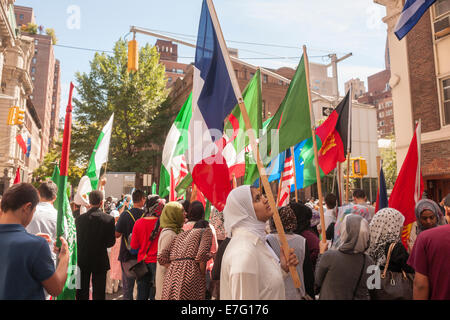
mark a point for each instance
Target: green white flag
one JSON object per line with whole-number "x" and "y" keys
{"x": 70, "y": 234}
{"x": 100, "y": 154}
{"x": 174, "y": 149}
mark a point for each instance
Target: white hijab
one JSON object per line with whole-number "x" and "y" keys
{"x": 239, "y": 213}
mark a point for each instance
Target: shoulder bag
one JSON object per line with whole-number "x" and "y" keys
{"x": 394, "y": 285}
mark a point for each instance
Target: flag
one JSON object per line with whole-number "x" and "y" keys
{"x": 235, "y": 130}
{"x": 408, "y": 187}
{"x": 21, "y": 142}
{"x": 17, "y": 178}
{"x": 153, "y": 188}
{"x": 382, "y": 200}
{"x": 291, "y": 123}
{"x": 70, "y": 234}
{"x": 197, "y": 195}
{"x": 411, "y": 14}
{"x": 213, "y": 99}
{"x": 28, "y": 147}
{"x": 100, "y": 154}
{"x": 287, "y": 180}
{"x": 174, "y": 149}
{"x": 65, "y": 225}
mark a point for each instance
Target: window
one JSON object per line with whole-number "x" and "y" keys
{"x": 35, "y": 51}
{"x": 265, "y": 78}
{"x": 381, "y": 123}
{"x": 21, "y": 17}
{"x": 264, "y": 109}
{"x": 389, "y": 104}
{"x": 36, "y": 42}
{"x": 441, "y": 7}
{"x": 34, "y": 60}
{"x": 381, "y": 115}
{"x": 251, "y": 75}
{"x": 317, "y": 81}
{"x": 388, "y": 112}
{"x": 280, "y": 82}
{"x": 392, "y": 121}
{"x": 169, "y": 79}
{"x": 33, "y": 70}
{"x": 446, "y": 100}
{"x": 380, "y": 106}
{"x": 236, "y": 73}
{"x": 33, "y": 78}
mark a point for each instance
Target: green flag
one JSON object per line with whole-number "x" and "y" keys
{"x": 292, "y": 121}
{"x": 70, "y": 235}
{"x": 174, "y": 148}
{"x": 153, "y": 188}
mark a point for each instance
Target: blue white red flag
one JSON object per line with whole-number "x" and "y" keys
{"x": 382, "y": 200}
{"x": 213, "y": 98}
{"x": 411, "y": 14}
{"x": 287, "y": 179}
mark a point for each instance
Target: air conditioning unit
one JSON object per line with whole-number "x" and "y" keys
{"x": 442, "y": 27}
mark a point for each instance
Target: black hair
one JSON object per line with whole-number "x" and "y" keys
{"x": 95, "y": 198}
{"x": 358, "y": 193}
{"x": 330, "y": 201}
{"x": 137, "y": 195}
{"x": 196, "y": 211}
{"x": 19, "y": 195}
{"x": 48, "y": 190}
{"x": 201, "y": 224}
{"x": 185, "y": 203}
{"x": 447, "y": 200}
{"x": 303, "y": 214}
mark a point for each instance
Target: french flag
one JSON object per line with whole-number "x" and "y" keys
{"x": 213, "y": 98}
{"x": 411, "y": 14}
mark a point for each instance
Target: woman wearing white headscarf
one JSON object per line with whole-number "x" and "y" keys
{"x": 250, "y": 269}
{"x": 342, "y": 274}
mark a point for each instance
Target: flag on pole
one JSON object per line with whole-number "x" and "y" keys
{"x": 382, "y": 199}
{"x": 65, "y": 225}
{"x": 17, "y": 178}
{"x": 70, "y": 234}
{"x": 28, "y": 147}
{"x": 237, "y": 141}
{"x": 153, "y": 188}
{"x": 291, "y": 123}
{"x": 213, "y": 99}
{"x": 287, "y": 179}
{"x": 174, "y": 149}
{"x": 409, "y": 186}
{"x": 21, "y": 143}
{"x": 100, "y": 154}
{"x": 411, "y": 14}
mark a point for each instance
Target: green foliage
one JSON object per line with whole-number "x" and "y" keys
{"x": 31, "y": 28}
{"x": 389, "y": 157}
{"x": 137, "y": 100}
{"x": 52, "y": 158}
{"x": 51, "y": 32}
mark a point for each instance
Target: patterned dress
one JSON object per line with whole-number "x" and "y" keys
{"x": 184, "y": 280}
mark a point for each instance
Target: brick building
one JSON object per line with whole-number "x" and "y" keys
{"x": 420, "y": 82}
{"x": 358, "y": 87}
{"x": 45, "y": 74}
{"x": 169, "y": 58}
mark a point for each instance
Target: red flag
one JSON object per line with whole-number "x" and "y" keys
{"x": 21, "y": 143}
{"x": 287, "y": 180}
{"x": 197, "y": 195}
{"x": 408, "y": 188}
{"x": 17, "y": 178}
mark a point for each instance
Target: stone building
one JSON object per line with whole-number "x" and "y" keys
{"x": 420, "y": 82}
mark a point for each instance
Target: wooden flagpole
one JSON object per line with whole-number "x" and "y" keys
{"x": 316, "y": 156}
{"x": 295, "y": 174}
{"x": 347, "y": 179}
{"x": 349, "y": 141}
{"x": 279, "y": 188}
{"x": 249, "y": 129}
{"x": 234, "y": 181}
{"x": 378, "y": 172}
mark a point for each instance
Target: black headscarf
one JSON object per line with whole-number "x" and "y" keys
{"x": 303, "y": 215}
{"x": 196, "y": 211}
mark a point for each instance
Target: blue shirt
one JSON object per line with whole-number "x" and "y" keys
{"x": 25, "y": 262}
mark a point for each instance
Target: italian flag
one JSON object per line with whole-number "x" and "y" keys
{"x": 100, "y": 154}
{"x": 173, "y": 158}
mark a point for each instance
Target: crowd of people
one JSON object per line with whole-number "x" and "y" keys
{"x": 159, "y": 250}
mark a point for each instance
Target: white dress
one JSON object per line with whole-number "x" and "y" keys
{"x": 250, "y": 271}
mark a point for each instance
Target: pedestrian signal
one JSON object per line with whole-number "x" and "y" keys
{"x": 133, "y": 56}
{"x": 359, "y": 167}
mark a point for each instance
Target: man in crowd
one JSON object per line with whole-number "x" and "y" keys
{"x": 360, "y": 198}
{"x": 124, "y": 228}
{"x": 44, "y": 219}
{"x": 26, "y": 267}
{"x": 95, "y": 233}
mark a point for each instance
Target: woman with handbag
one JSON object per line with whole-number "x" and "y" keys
{"x": 388, "y": 252}
{"x": 144, "y": 243}
{"x": 341, "y": 274}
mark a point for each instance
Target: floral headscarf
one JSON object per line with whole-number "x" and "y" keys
{"x": 288, "y": 220}
{"x": 427, "y": 204}
{"x": 216, "y": 220}
{"x": 342, "y": 212}
{"x": 385, "y": 227}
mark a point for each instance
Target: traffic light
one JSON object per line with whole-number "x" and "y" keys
{"x": 12, "y": 115}
{"x": 133, "y": 56}
{"x": 20, "y": 117}
{"x": 359, "y": 167}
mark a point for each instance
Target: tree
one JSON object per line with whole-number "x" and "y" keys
{"x": 31, "y": 28}
{"x": 389, "y": 157}
{"x": 136, "y": 100}
{"x": 51, "y": 32}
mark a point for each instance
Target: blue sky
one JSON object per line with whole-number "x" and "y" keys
{"x": 324, "y": 26}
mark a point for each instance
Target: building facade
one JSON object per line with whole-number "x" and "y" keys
{"x": 420, "y": 82}
{"x": 358, "y": 87}
{"x": 16, "y": 88}
{"x": 45, "y": 74}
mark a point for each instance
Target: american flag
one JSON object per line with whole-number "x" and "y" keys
{"x": 287, "y": 180}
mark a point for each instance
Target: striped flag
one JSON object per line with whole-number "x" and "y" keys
{"x": 213, "y": 99}
{"x": 287, "y": 179}
{"x": 411, "y": 14}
